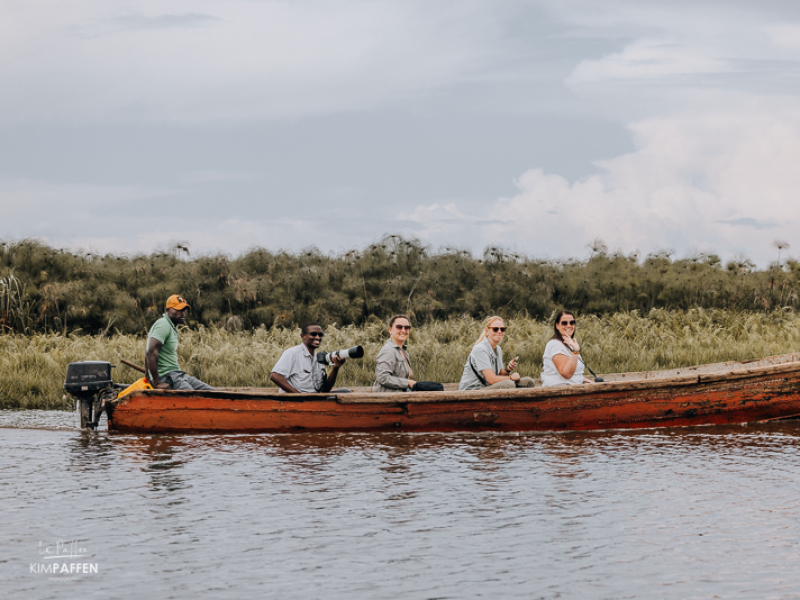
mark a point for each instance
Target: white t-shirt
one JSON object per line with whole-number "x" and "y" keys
{"x": 550, "y": 375}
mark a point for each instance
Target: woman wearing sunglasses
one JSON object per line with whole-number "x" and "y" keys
{"x": 393, "y": 368}
{"x": 562, "y": 355}
{"x": 484, "y": 367}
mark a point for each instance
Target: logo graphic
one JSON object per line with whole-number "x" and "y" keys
{"x": 64, "y": 561}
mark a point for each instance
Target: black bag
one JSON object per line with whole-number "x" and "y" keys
{"x": 427, "y": 386}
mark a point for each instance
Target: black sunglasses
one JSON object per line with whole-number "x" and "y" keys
{"x": 496, "y": 329}
{"x": 567, "y": 323}
{"x": 405, "y": 327}
{"x": 318, "y": 334}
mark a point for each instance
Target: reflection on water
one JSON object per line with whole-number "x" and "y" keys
{"x": 689, "y": 513}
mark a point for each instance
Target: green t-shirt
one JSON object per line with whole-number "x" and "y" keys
{"x": 164, "y": 331}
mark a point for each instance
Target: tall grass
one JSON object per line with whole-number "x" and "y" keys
{"x": 32, "y": 368}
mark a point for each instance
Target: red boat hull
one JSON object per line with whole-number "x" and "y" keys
{"x": 739, "y": 395}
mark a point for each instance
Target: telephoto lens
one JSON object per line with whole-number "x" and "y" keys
{"x": 326, "y": 358}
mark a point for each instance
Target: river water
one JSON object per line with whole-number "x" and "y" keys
{"x": 711, "y": 512}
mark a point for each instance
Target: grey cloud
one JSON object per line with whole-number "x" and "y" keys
{"x": 330, "y": 123}
{"x": 214, "y": 176}
{"x": 760, "y": 76}
{"x": 764, "y": 76}
{"x": 139, "y": 22}
{"x": 751, "y": 223}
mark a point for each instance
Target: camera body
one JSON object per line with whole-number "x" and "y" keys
{"x": 326, "y": 358}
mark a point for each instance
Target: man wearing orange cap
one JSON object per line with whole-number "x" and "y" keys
{"x": 161, "y": 356}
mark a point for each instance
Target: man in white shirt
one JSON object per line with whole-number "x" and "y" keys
{"x": 297, "y": 370}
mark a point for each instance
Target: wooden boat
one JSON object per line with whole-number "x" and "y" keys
{"x": 730, "y": 392}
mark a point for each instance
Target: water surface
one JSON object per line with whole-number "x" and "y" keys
{"x": 671, "y": 513}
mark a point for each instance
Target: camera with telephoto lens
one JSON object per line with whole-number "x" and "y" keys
{"x": 326, "y": 358}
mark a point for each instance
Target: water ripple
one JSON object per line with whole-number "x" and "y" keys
{"x": 689, "y": 513}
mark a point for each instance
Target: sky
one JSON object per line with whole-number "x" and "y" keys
{"x": 541, "y": 126}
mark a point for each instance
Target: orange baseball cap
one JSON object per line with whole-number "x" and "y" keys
{"x": 177, "y": 302}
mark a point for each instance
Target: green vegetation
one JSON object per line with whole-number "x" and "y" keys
{"x": 32, "y": 368}
{"x": 45, "y": 290}
{"x": 58, "y": 307}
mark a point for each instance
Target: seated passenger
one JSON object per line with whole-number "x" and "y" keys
{"x": 562, "y": 354}
{"x": 161, "y": 351}
{"x": 392, "y": 366}
{"x": 298, "y": 371}
{"x": 484, "y": 366}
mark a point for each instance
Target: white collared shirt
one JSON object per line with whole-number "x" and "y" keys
{"x": 301, "y": 369}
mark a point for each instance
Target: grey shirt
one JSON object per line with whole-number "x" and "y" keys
{"x": 482, "y": 357}
{"x": 391, "y": 371}
{"x": 301, "y": 369}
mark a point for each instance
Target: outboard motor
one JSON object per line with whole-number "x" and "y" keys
{"x": 90, "y": 382}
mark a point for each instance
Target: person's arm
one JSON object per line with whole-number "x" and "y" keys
{"x": 483, "y": 362}
{"x": 567, "y": 365}
{"x": 511, "y": 366}
{"x": 282, "y": 383}
{"x": 491, "y": 377}
{"x": 151, "y": 364}
{"x": 331, "y": 380}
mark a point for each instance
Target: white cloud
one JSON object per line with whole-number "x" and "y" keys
{"x": 648, "y": 59}
{"x": 724, "y": 182}
{"x": 233, "y": 236}
{"x": 710, "y": 94}
{"x": 784, "y": 35}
